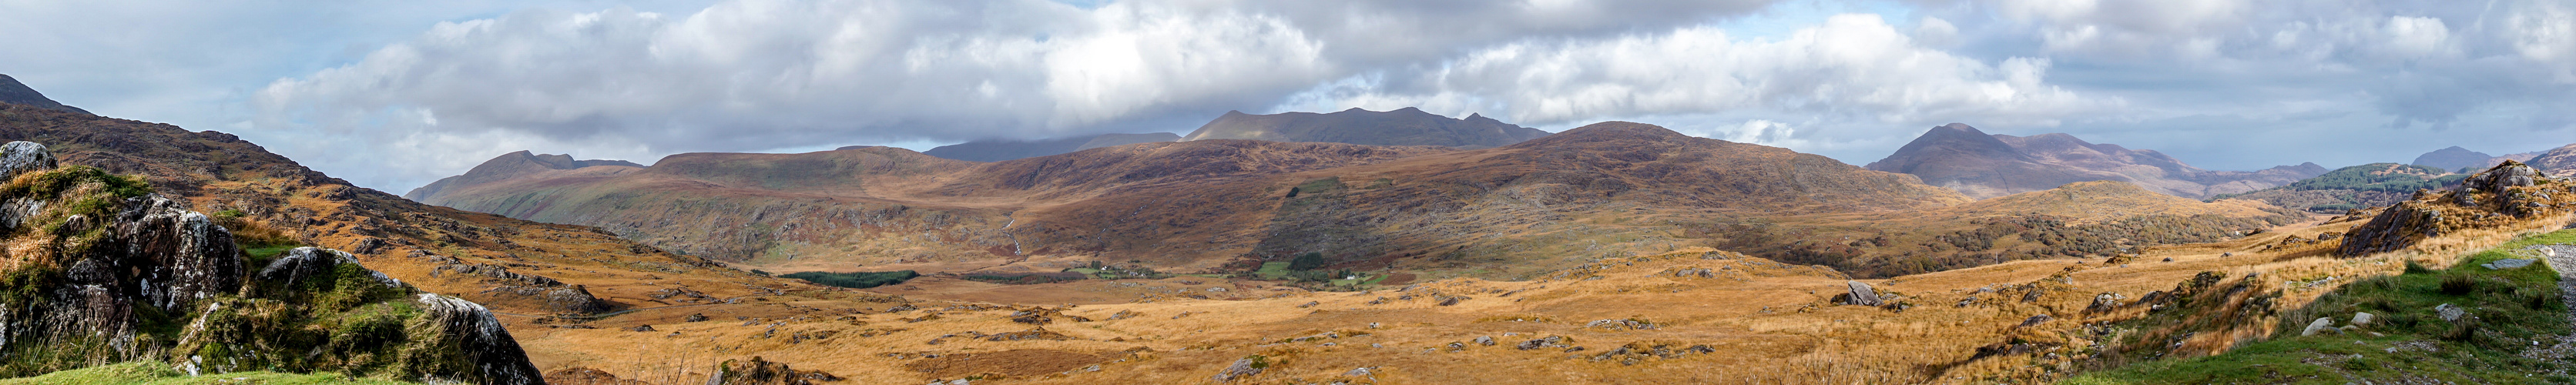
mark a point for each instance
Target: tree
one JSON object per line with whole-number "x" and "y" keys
{"x": 1307, "y": 261}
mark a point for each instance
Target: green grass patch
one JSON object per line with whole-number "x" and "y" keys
{"x": 858, "y": 280}
{"x": 153, "y": 373}
{"x": 1272, "y": 270}
{"x": 2511, "y": 309}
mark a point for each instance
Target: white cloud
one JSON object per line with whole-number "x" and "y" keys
{"x": 1856, "y": 67}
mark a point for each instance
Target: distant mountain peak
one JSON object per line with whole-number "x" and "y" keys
{"x": 997, "y": 150}
{"x": 1983, "y": 165}
{"x": 1407, "y": 126}
{"x": 2452, "y": 158}
{"x": 13, "y": 92}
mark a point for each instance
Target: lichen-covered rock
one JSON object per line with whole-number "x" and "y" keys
{"x": 180, "y": 252}
{"x": 2499, "y": 196}
{"x": 476, "y": 348}
{"x": 21, "y": 157}
{"x": 1861, "y": 294}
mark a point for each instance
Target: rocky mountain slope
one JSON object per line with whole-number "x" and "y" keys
{"x": 1980, "y": 165}
{"x": 1001, "y": 150}
{"x": 1224, "y": 205}
{"x": 2353, "y": 188}
{"x": 100, "y": 270}
{"x": 2558, "y": 162}
{"x": 13, "y": 92}
{"x": 1403, "y": 127}
{"x": 2508, "y": 194}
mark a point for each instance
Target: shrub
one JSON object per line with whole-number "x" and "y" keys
{"x": 858, "y": 280}
{"x": 2459, "y": 285}
{"x": 1307, "y": 261}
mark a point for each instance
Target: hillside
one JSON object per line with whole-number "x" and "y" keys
{"x": 1001, "y": 150}
{"x": 1403, "y": 127}
{"x": 1229, "y": 205}
{"x": 2559, "y": 162}
{"x": 2451, "y": 158}
{"x": 1962, "y": 158}
{"x": 517, "y": 165}
{"x": 2353, "y": 188}
{"x": 13, "y": 92}
{"x": 105, "y": 270}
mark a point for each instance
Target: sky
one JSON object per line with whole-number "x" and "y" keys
{"x": 395, "y": 94}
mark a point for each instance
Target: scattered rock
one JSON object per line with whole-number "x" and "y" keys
{"x": 2508, "y": 263}
{"x": 1861, "y": 295}
{"x": 1246, "y": 367}
{"x": 2321, "y": 325}
{"x": 21, "y": 156}
{"x": 2363, "y": 318}
{"x": 640, "y": 328}
{"x": 2450, "y": 313}
{"x": 2035, "y": 321}
{"x": 1359, "y": 372}
{"x": 1485, "y": 340}
{"x": 1549, "y": 342}
{"x": 1620, "y": 324}
{"x": 1309, "y": 304}
{"x": 699, "y": 317}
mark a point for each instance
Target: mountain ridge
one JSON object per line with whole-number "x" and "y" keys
{"x": 1982, "y": 165}
{"x": 13, "y": 92}
{"x": 1400, "y": 127}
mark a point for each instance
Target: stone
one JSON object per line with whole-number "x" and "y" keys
{"x": 2363, "y": 318}
{"x": 1359, "y": 372}
{"x": 490, "y": 355}
{"x": 697, "y": 317}
{"x": 2450, "y": 313}
{"x": 2508, "y": 263}
{"x": 1862, "y": 295}
{"x": 22, "y": 157}
{"x": 2035, "y": 320}
{"x": 640, "y": 328}
{"x": 2321, "y": 325}
{"x": 1485, "y": 340}
{"x": 1242, "y": 368}
{"x": 1549, "y": 342}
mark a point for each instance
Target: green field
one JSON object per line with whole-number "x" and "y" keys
{"x": 2513, "y": 307}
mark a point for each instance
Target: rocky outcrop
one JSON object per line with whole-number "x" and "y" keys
{"x": 101, "y": 270}
{"x": 2507, "y": 193}
{"x": 1861, "y": 295}
{"x": 21, "y": 157}
{"x": 757, "y": 371}
{"x": 507, "y": 286}
{"x": 484, "y": 351}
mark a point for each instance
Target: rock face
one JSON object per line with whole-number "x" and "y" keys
{"x": 21, "y": 157}
{"x": 1403, "y": 127}
{"x": 2451, "y": 158}
{"x": 2498, "y": 196}
{"x": 1001, "y": 150}
{"x": 1984, "y": 165}
{"x": 102, "y": 270}
{"x": 13, "y": 92}
{"x": 1861, "y": 295}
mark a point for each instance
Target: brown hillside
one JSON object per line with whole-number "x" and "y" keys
{"x": 1222, "y": 205}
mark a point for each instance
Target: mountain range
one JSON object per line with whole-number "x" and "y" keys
{"x": 2461, "y": 160}
{"x": 1222, "y": 204}
{"x": 13, "y": 92}
{"x": 1981, "y": 165}
{"x": 1401, "y": 127}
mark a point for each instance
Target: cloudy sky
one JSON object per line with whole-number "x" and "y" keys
{"x": 394, "y": 94}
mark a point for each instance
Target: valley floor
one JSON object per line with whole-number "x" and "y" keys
{"x": 1688, "y": 316}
